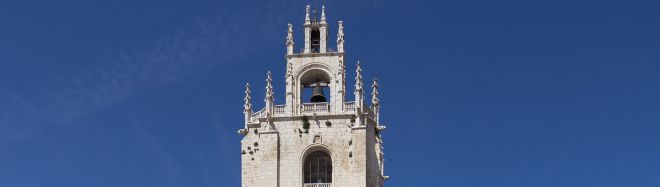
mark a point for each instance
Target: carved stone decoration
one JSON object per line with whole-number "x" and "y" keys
{"x": 323, "y": 13}
{"x": 340, "y": 37}
{"x": 269, "y": 94}
{"x": 358, "y": 80}
{"x": 375, "y": 102}
{"x": 307, "y": 20}
{"x": 359, "y": 95}
{"x": 289, "y": 40}
{"x": 247, "y": 111}
{"x": 289, "y": 70}
{"x": 374, "y": 93}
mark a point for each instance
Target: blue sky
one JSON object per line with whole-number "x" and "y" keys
{"x": 505, "y": 93}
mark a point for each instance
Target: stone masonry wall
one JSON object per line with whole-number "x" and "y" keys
{"x": 278, "y": 156}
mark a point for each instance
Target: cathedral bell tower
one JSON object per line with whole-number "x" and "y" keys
{"x": 316, "y": 138}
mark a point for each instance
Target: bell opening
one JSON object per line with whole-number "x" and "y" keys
{"x": 315, "y": 40}
{"x": 315, "y": 87}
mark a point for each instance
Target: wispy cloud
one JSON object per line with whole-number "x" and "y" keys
{"x": 207, "y": 46}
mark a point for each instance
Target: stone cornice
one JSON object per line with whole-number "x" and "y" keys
{"x": 321, "y": 116}
{"x": 315, "y": 54}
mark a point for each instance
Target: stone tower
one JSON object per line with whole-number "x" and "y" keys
{"x": 316, "y": 138}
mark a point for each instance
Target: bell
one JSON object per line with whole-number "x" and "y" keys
{"x": 317, "y": 94}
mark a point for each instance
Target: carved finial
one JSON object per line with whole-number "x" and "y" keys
{"x": 340, "y": 37}
{"x": 289, "y": 36}
{"x": 358, "y": 78}
{"x": 323, "y": 13}
{"x": 247, "y": 111}
{"x": 307, "y": 20}
{"x": 375, "y": 102}
{"x": 248, "y": 103}
{"x": 374, "y": 94}
{"x": 359, "y": 97}
{"x": 289, "y": 40}
{"x": 269, "y": 88}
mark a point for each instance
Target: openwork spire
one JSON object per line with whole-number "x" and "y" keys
{"x": 374, "y": 94}
{"x": 269, "y": 88}
{"x": 323, "y": 13}
{"x": 307, "y": 20}
{"x": 289, "y": 40}
{"x": 340, "y": 37}
{"x": 248, "y": 98}
{"x": 375, "y": 102}
{"x": 359, "y": 95}
{"x": 289, "y": 36}
{"x": 358, "y": 78}
{"x": 247, "y": 111}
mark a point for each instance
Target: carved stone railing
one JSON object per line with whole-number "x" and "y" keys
{"x": 317, "y": 185}
{"x": 307, "y": 108}
{"x": 279, "y": 109}
{"x": 314, "y": 107}
{"x": 349, "y": 106}
{"x": 258, "y": 114}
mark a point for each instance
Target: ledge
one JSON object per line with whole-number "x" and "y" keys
{"x": 254, "y": 125}
{"x": 315, "y": 54}
{"x": 268, "y": 132}
{"x": 359, "y": 128}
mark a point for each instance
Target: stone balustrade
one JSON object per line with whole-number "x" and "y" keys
{"x": 258, "y": 114}
{"x": 308, "y": 108}
{"x": 349, "y": 106}
{"x": 317, "y": 185}
{"x": 315, "y": 107}
{"x": 279, "y": 109}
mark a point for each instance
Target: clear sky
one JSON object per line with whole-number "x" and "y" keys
{"x": 509, "y": 93}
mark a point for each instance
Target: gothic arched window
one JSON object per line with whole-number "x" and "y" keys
{"x": 318, "y": 168}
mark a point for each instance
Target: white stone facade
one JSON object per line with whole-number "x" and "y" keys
{"x": 276, "y": 140}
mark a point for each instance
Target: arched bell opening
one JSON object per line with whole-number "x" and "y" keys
{"x": 315, "y": 86}
{"x": 315, "y": 38}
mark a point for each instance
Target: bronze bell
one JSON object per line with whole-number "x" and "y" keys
{"x": 317, "y": 93}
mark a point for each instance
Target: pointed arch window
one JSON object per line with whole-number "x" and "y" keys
{"x": 318, "y": 168}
